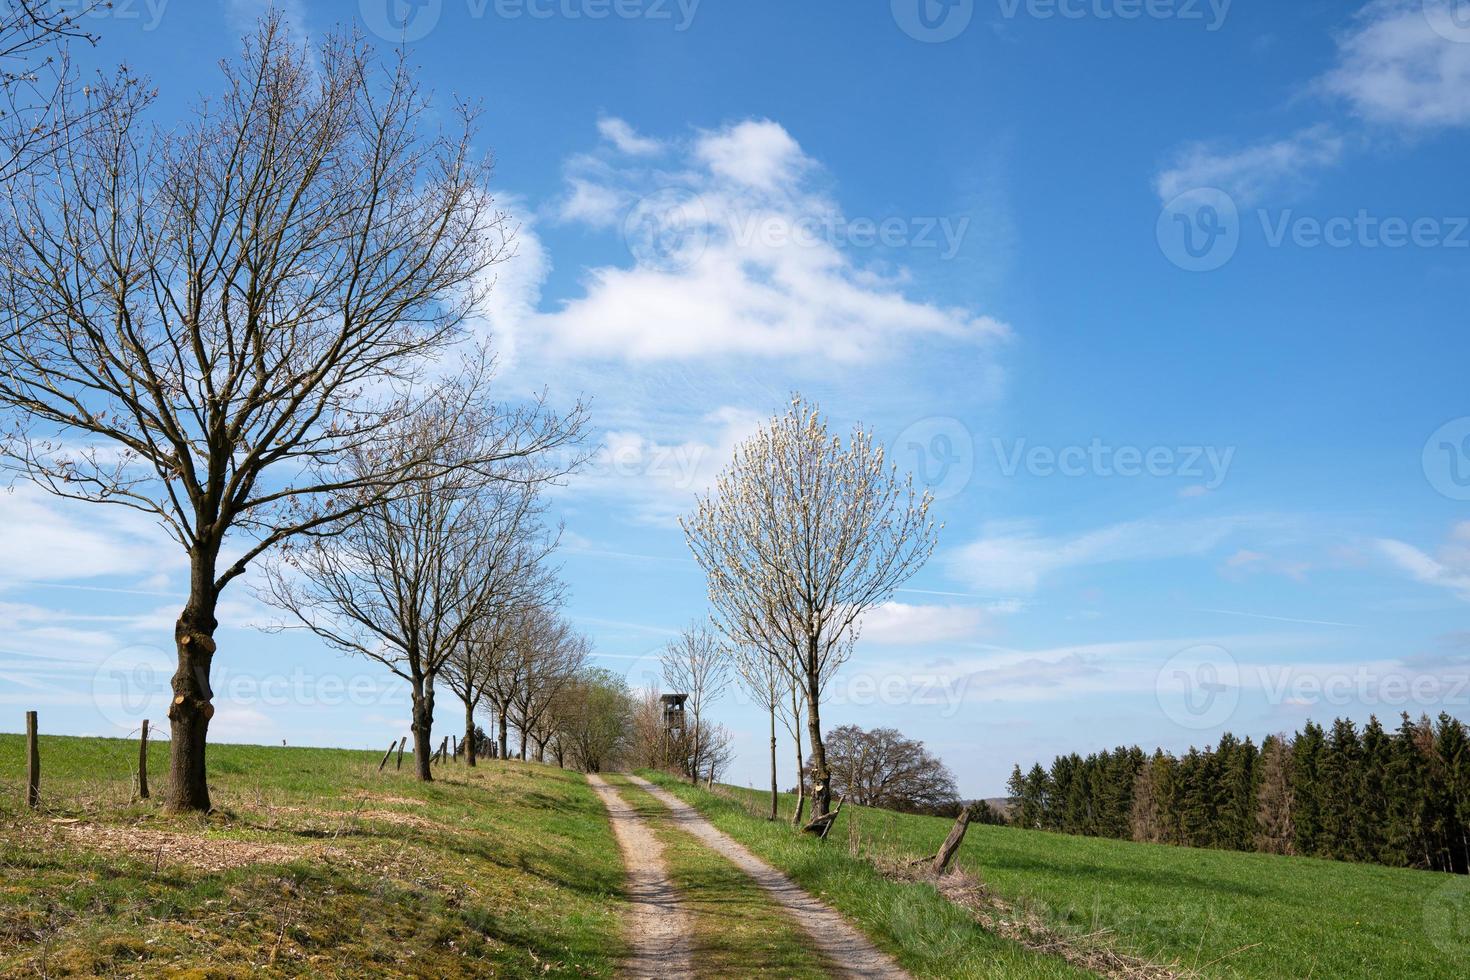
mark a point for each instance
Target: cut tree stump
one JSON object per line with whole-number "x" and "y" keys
{"x": 821, "y": 826}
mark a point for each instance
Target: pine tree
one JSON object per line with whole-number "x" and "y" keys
{"x": 1306, "y": 757}
{"x": 1373, "y": 812}
{"x": 1338, "y": 789}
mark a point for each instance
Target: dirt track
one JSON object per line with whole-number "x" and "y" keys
{"x": 842, "y": 943}
{"x": 659, "y": 926}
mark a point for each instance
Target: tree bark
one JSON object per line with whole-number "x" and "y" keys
{"x": 469, "y": 731}
{"x": 821, "y": 776}
{"x": 192, "y": 706}
{"x": 504, "y": 736}
{"x": 800, "y": 763}
{"x": 775, "y": 790}
{"x": 423, "y": 723}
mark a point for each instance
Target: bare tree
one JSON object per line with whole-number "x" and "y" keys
{"x": 406, "y": 581}
{"x": 764, "y": 679}
{"x": 41, "y": 113}
{"x": 202, "y": 325}
{"x": 553, "y": 654}
{"x": 521, "y": 580}
{"x": 698, "y": 665}
{"x": 882, "y": 768}
{"x": 800, "y": 536}
{"x": 793, "y": 715}
{"x": 507, "y": 666}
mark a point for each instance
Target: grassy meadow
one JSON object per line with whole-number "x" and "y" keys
{"x": 313, "y": 864}
{"x": 1212, "y": 913}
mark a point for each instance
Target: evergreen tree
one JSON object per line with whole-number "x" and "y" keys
{"x": 1338, "y": 791}
{"x": 1306, "y": 758}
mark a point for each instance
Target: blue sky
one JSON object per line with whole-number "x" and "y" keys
{"x": 1165, "y": 300}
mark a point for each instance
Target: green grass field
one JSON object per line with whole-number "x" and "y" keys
{"x": 1217, "y": 913}
{"x": 314, "y": 864}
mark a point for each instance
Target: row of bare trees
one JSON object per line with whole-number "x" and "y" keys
{"x": 253, "y": 329}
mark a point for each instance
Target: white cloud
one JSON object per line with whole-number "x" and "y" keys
{"x": 48, "y": 539}
{"x": 625, "y": 138}
{"x": 750, "y": 260}
{"x": 900, "y": 624}
{"x": 1449, "y": 570}
{"x": 1405, "y": 62}
{"x": 515, "y": 283}
{"x": 1014, "y": 559}
{"x": 755, "y": 153}
{"x": 658, "y": 477}
{"x": 1251, "y": 173}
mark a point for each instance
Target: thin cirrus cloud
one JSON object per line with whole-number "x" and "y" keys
{"x": 1401, "y": 63}
{"x": 1251, "y": 173}
{"x": 1448, "y": 569}
{"x": 771, "y": 272}
{"x": 1014, "y": 559}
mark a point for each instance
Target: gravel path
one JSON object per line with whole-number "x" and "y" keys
{"x": 659, "y": 925}
{"x": 842, "y": 943}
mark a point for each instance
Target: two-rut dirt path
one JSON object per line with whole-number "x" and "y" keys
{"x": 660, "y": 925}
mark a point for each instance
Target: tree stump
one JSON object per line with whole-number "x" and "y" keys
{"x": 822, "y": 825}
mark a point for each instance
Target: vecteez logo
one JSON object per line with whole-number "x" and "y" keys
{"x": 403, "y": 21}
{"x": 1199, "y": 230}
{"x": 667, "y": 231}
{"x": 1447, "y": 459}
{"x": 933, "y": 21}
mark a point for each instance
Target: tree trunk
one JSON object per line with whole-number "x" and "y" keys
{"x": 522, "y": 730}
{"x": 504, "y": 734}
{"x": 423, "y": 723}
{"x": 775, "y": 790}
{"x": 821, "y": 776}
{"x": 800, "y": 762}
{"x": 469, "y": 731}
{"x": 192, "y": 706}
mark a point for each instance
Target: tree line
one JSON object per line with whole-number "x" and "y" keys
{"x": 1399, "y": 798}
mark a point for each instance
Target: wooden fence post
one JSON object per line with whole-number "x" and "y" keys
{"x": 455, "y": 754}
{"x": 952, "y": 842}
{"x": 386, "y": 756}
{"x": 143, "y": 763}
{"x": 33, "y": 763}
{"x": 401, "y": 743}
